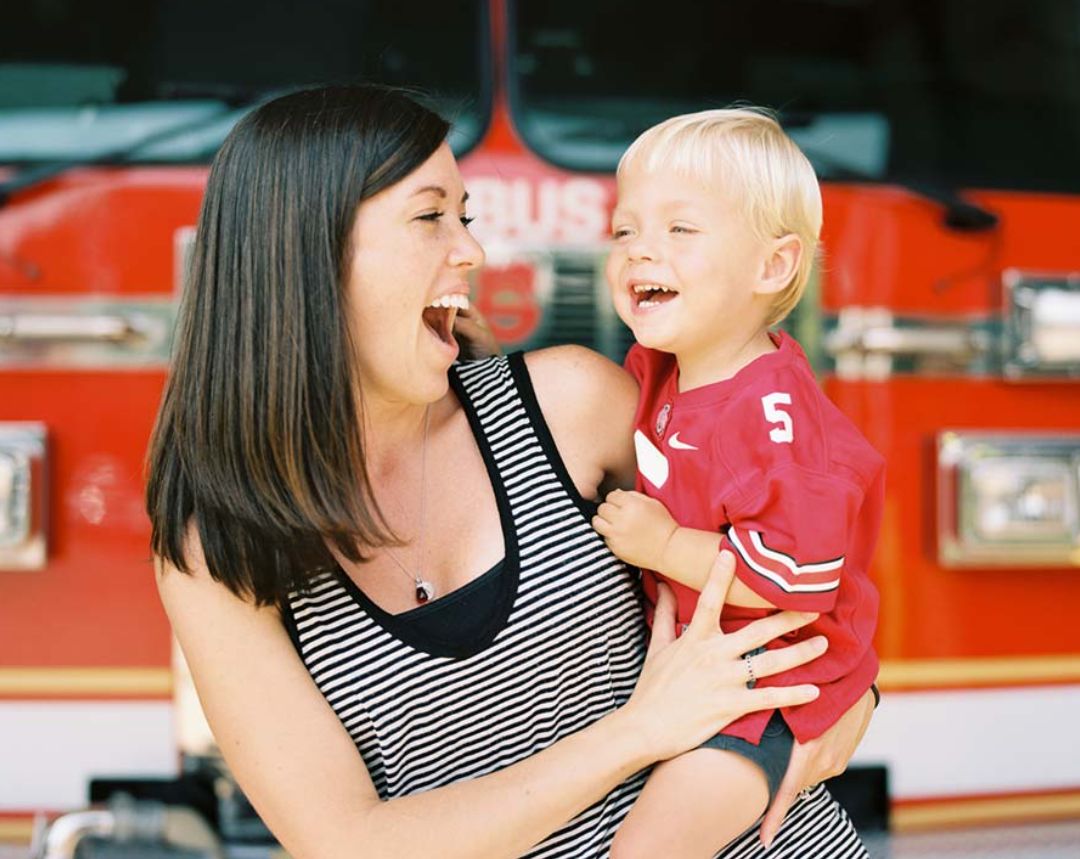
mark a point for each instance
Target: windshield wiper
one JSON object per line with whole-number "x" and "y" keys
{"x": 34, "y": 176}
{"x": 960, "y": 213}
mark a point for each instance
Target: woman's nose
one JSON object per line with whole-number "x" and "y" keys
{"x": 467, "y": 251}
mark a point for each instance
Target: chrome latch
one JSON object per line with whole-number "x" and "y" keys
{"x": 22, "y": 496}
{"x": 1042, "y": 324}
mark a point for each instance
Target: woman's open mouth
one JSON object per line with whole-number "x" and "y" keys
{"x": 646, "y": 295}
{"x": 440, "y": 314}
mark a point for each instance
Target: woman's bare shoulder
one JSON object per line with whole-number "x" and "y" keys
{"x": 192, "y": 588}
{"x": 588, "y": 402}
{"x": 579, "y": 377}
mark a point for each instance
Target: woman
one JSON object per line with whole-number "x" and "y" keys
{"x": 385, "y": 556}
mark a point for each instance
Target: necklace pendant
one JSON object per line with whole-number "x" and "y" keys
{"x": 424, "y": 591}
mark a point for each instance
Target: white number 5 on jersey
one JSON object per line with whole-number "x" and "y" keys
{"x": 775, "y": 415}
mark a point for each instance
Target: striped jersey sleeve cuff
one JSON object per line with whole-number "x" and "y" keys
{"x": 780, "y": 578}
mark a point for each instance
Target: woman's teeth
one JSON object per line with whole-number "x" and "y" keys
{"x": 457, "y": 301}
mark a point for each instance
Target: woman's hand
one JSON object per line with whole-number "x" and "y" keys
{"x": 474, "y": 335}
{"x": 821, "y": 758}
{"x": 691, "y": 687}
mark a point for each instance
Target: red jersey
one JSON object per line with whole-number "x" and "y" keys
{"x": 766, "y": 460}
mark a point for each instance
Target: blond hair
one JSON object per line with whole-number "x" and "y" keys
{"x": 772, "y": 180}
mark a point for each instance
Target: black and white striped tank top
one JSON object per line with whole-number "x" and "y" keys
{"x": 567, "y": 651}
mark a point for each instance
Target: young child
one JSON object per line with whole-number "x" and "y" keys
{"x": 715, "y": 229}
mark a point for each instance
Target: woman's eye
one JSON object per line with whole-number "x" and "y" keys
{"x": 430, "y": 216}
{"x": 466, "y": 220}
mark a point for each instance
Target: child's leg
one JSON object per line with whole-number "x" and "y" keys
{"x": 692, "y": 806}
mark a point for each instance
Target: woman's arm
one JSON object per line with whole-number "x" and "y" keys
{"x": 301, "y": 771}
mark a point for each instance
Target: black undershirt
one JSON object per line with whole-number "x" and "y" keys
{"x": 459, "y": 624}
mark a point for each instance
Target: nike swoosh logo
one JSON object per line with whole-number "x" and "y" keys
{"x": 680, "y": 445}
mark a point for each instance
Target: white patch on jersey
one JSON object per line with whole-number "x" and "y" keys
{"x": 651, "y": 462}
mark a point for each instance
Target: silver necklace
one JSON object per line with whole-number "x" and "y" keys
{"x": 425, "y": 590}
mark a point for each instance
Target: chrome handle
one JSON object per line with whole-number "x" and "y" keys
{"x": 67, "y": 328}
{"x": 886, "y": 340}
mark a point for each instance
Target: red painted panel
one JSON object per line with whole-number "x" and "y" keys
{"x": 884, "y": 247}
{"x": 96, "y": 603}
{"x": 928, "y": 611}
{"x": 98, "y": 232}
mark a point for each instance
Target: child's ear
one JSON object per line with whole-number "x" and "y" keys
{"x": 780, "y": 265}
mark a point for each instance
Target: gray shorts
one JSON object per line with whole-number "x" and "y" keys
{"x": 772, "y": 754}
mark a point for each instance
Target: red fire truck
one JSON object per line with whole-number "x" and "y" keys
{"x": 944, "y": 318}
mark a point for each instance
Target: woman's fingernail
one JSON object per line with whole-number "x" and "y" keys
{"x": 808, "y": 615}
{"x": 821, "y": 644}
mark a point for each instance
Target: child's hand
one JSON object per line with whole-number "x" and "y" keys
{"x": 474, "y": 335}
{"x": 637, "y": 528}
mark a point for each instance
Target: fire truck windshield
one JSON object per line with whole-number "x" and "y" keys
{"x": 956, "y": 93}
{"x": 164, "y": 81}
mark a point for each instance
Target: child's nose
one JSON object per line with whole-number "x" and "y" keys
{"x": 640, "y": 248}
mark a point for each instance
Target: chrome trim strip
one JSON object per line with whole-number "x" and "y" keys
{"x": 871, "y": 343}
{"x": 60, "y": 332}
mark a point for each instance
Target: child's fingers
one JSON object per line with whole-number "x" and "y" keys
{"x": 607, "y": 511}
{"x": 615, "y": 497}
{"x": 602, "y": 526}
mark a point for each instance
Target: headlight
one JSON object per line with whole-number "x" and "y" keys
{"x": 1042, "y": 325}
{"x": 22, "y": 496}
{"x": 1008, "y": 499}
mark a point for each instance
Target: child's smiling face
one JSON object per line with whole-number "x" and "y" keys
{"x": 686, "y": 268}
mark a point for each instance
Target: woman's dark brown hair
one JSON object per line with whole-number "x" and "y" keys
{"x": 257, "y": 444}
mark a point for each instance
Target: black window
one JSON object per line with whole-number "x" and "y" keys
{"x": 78, "y": 79}
{"x": 964, "y": 93}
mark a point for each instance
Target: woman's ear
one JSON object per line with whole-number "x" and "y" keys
{"x": 780, "y": 264}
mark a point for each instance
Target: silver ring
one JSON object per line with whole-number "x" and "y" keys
{"x": 752, "y": 681}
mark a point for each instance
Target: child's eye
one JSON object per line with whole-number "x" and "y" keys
{"x": 679, "y": 228}
{"x": 620, "y": 233}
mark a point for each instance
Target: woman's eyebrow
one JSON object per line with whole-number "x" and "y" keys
{"x": 438, "y": 190}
